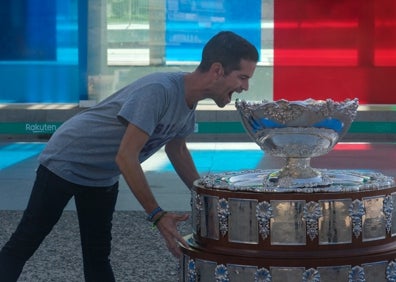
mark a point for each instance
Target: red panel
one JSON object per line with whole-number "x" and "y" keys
{"x": 335, "y": 49}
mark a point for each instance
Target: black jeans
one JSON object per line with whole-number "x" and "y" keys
{"x": 50, "y": 194}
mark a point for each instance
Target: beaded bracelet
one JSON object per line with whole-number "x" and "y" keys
{"x": 153, "y": 214}
{"x": 158, "y": 219}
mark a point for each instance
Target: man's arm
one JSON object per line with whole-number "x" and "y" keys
{"x": 181, "y": 159}
{"x": 127, "y": 160}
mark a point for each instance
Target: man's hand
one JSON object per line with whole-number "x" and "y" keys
{"x": 167, "y": 226}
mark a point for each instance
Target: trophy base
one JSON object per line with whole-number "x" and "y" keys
{"x": 244, "y": 231}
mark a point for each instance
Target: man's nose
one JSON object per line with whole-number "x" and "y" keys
{"x": 245, "y": 86}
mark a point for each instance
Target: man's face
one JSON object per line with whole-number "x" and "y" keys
{"x": 236, "y": 81}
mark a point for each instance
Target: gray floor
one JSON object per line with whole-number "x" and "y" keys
{"x": 139, "y": 253}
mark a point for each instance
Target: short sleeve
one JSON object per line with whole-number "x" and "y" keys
{"x": 188, "y": 129}
{"x": 144, "y": 107}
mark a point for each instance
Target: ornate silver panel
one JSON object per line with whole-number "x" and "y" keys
{"x": 375, "y": 271}
{"x": 243, "y": 225}
{"x": 289, "y": 274}
{"x": 374, "y": 219}
{"x": 335, "y": 226}
{"x": 206, "y": 270}
{"x": 287, "y": 224}
{"x": 209, "y": 217}
{"x": 241, "y": 272}
{"x": 334, "y": 273}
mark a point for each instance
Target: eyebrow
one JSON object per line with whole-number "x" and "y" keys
{"x": 244, "y": 76}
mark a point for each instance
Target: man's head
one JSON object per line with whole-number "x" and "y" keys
{"x": 228, "y": 62}
{"x": 228, "y": 49}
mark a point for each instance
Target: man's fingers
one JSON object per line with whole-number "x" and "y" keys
{"x": 174, "y": 247}
{"x": 181, "y": 240}
{"x": 182, "y": 217}
{"x": 168, "y": 228}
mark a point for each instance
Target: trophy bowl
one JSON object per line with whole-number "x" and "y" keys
{"x": 297, "y": 131}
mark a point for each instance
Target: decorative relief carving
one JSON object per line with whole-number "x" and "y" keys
{"x": 264, "y": 214}
{"x": 356, "y": 211}
{"x": 312, "y": 213}
{"x": 223, "y": 210}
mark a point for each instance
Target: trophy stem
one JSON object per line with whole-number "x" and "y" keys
{"x": 297, "y": 173}
{"x": 298, "y": 168}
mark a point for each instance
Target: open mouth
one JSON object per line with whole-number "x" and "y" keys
{"x": 230, "y": 94}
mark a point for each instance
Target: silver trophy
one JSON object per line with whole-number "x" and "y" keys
{"x": 296, "y": 223}
{"x": 297, "y": 131}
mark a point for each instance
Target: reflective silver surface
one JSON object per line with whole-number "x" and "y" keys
{"x": 205, "y": 270}
{"x": 335, "y": 223}
{"x": 243, "y": 226}
{"x": 375, "y": 271}
{"x": 287, "y": 224}
{"x": 241, "y": 272}
{"x": 335, "y": 273}
{"x": 373, "y": 219}
{"x": 297, "y": 131}
{"x": 209, "y": 218}
{"x": 326, "y": 220}
{"x": 292, "y": 274}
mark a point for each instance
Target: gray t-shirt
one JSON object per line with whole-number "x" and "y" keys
{"x": 84, "y": 148}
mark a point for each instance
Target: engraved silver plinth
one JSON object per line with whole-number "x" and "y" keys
{"x": 360, "y": 202}
{"x": 297, "y": 131}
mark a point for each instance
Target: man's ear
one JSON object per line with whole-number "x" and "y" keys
{"x": 217, "y": 70}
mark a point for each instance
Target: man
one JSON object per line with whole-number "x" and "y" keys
{"x": 86, "y": 155}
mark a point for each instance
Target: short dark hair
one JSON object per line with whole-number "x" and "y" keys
{"x": 228, "y": 49}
